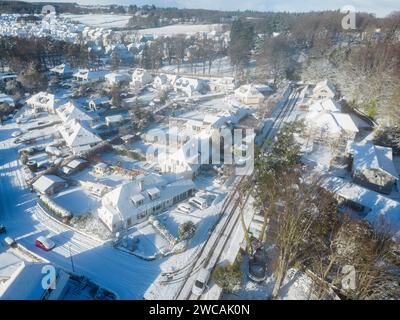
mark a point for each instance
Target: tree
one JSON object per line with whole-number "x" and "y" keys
{"x": 116, "y": 99}
{"x": 186, "y": 230}
{"x": 241, "y": 42}
{"x": 227, "y": 277}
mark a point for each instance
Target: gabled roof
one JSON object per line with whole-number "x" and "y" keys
{"x": 70, "y": 111}
{"x": 325, "y": 84}
{"x": 331, "y": 122}
{"x": 42, "y": 99}
{"x": 325, "y": 105}
{"x": 369, "y": 156}
{"x": 76, "y": 135}
{"x": 45, "y": 182}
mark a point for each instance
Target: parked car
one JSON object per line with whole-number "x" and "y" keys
{"x": 185, "y": 208}
{"x": 2, "y": 229}
{"x": 45, "y": 243}
{"x": 16, "y": 133}
{"x": 198, "y": 202}
{"x": 200, "y": 284}
{"x": 10, "y": 242}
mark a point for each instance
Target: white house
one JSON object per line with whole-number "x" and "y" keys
{"x": 140, "y": 77}
{"x": 248, "y": 94}
{"x": 86, "y": 75}
{"x": 70, "y": 111}
{"x": 133, "y": 202}
{"x": 324, "y": 89}
{"x": 77, "y": 136}
{"x": 190, "y": 86}
{"x": 326, "y": 126}
{"x": 225, "y": 84}
{"x": 372, "y": 166}
{"x": 62, "y": 70}
{"x": 42, "y": 101}
{"x": 49, "y": 184}
{"x": 115, "y": 78}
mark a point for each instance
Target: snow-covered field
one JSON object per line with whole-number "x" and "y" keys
{"x": 100, "y": 20}
{"x": 187, "y": 29}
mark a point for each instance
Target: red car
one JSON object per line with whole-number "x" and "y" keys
{"x": 44, "y": 243}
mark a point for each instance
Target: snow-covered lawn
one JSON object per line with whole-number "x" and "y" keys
{"x": 78, "y": 201}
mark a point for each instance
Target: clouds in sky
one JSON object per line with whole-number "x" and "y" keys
{"x": 379, "y": 7}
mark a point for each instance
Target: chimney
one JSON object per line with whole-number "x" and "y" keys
{"x": 141, "y": 185}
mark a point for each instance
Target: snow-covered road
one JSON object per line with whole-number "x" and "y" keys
{"x": 126, "y": 275}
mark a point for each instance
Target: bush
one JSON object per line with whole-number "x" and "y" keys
{"x": 186, "y": 230}
{"x": 227, "y": 277}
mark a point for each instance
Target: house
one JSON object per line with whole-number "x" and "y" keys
{"x": 70, "y": 111}
{"x": 161, "y": 81}
{"x": 22, "y": 280}
{"x": 101, "y": 168}
{"x": 326, "y": 104}
{"x": 74, "y": 166}
{"x": 42, "y": 101}
{"x": 115, "y": 120}
{"x": 6, "y": 99}
{"x": 225, "y": 84}
{"x": 329, "y": 126}
{"x": 376, "y": 208}
{"x": 190, "y": 86}
{"x": 49, "y": 184}
{"x": 116, "y": 78}
{"x": 62, "y": 70}
{"x": 87, "y": 76}
{"x": 133, "y": 202}
{"x": 77, "y": 136}
{"x": 140, "y": 77}
{"x": 372, "y": 166}
{"x": 324, "y": 89}
{"x": 248, "y": 94}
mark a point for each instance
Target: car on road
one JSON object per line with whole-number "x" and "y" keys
{"x": 2, "y": 229}
{"x": 185, "y": 208}
{"x": 200, "y": 284}
{"x": 44, "y": 243}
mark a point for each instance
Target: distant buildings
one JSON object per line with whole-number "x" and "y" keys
{"x": 87, "y": 76}
{"x": 140, "y": 77}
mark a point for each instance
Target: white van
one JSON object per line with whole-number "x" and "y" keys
{"x": 198, "y": 202}
{"x": 201, "y": 282}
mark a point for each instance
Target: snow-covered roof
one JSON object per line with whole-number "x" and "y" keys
{"x": 76, "y": 135}
{"x": 41, "y": 100}
{"x": 331, "y": 122}
{"x": 76, "y": 163}
{"x": 325, "y": 85}
{"x": 117, "y": 76}
{"x": 119, "y": 200}
{"x": 62, "y": 69}
{"x": 20, "y": 280}
{"x": 383, "y": 209}
{"x": 369, "y": 156}
{"x": 45, "y": 182}
{"x": 325, "y": 105}
{"x": 70, "y": 111}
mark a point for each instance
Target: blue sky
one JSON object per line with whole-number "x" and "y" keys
{"x": 379, "y": 7}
